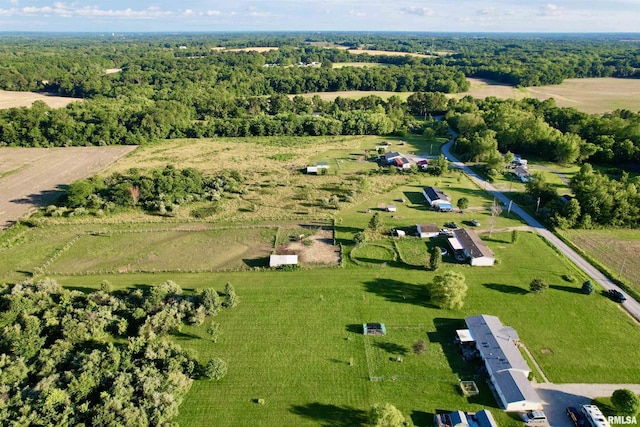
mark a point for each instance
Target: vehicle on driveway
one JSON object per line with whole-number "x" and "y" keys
{"x": 444, "y": 252}
{"x": 576, "y": 417}
{"x": 535, "y": 418}
{"x": 451, "y": 225}
{"x": 616, "y": 295}
{"x": 475, "y": 222}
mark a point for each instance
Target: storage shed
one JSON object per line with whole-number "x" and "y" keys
{"x": 374, "y": 329}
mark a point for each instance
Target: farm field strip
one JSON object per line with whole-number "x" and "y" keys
{"x": 41, "y": 172}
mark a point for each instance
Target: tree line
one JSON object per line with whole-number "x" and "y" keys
{"x": 100, "y": 358}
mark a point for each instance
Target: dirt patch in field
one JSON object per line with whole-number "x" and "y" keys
{"x": 33, "y": 177}
{"x": 112, "y": 70}
{"x": 253, "y": 49}
{"x": 11, "y": 99}
{"x": 320, "y": 251}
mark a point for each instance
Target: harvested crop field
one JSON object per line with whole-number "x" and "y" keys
{"x": 34, "y": 176}
{"x": 592, "y": 95}
{"x": 10, "y": 99}
{"x": 388, "y": 53}
{"x": 618, "y": 250}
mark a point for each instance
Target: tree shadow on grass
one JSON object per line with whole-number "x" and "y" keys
{"x": 420, "y": 418}
{"x": 392, "y": 348}
{"x": 332, "y": 415}
{"x": 507, "y": 289}
{"x": 571, "y": 289}
{"x": 397, "y": 291}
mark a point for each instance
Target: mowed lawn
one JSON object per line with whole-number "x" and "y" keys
{"x": 291, "y": 339}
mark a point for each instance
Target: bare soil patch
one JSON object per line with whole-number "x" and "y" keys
{"x": 253, "y": 49}
{"x": 320, "y": 251}
{"x": 10, "y": 99}
{"x": 33, "y": 177}
{"x": 388, "y": 53}
{"x": 112, "y": 70}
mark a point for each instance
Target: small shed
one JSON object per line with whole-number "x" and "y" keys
{"x": 426, "y": 231}
{"x": 278, "y": 260}
{"x": 391, "y": 208}
{"x": 312, "y": 169}
{"x": 374, "y": 329}
{"x": 401, "y": 233}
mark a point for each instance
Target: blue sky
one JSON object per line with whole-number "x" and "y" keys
{"x": 308, "y": 15}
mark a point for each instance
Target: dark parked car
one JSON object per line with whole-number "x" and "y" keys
{"x": 451, "y": 225}
{"x": 576, "y": 417}
{"x": 616, "y": 295}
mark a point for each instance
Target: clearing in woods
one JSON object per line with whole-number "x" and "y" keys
{"x": 32, "y": 177}
{"x": 11, "y": 99}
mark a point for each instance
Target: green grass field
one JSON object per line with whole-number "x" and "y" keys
{"x": 293, "y": 335}
{"x": 295, "y": 339}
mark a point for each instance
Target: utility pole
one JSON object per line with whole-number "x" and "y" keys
{"x": 509, "y": 209}
{"x": 537, "y": 204}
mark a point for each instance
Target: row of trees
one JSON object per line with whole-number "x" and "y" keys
{"x": 102, "y": 358}
{"x": 136, "y": 121}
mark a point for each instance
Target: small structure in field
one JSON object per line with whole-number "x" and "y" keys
{"x": 402, "y": 163}
{"x": 320, "y": 167}
{"x": 374, "y": 329}
{"x": 423, "y": 164}
{"x": 401, "y": 233}
{"x": 482, "y": 418}
{"x": 279, "y": 260}
{"x": 390, "y": 208}
{"x": 426, "y": 231}
{"x": 469, "y": 388}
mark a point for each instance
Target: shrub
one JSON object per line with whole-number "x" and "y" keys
{"x": 569, "y": 278}
{"x": 514, "y": 236}
{"x": 216, "y": 369}
{"x": 538, "y": 286}
{"x": 587, "y": 287}
{"x": 626, "y": 401}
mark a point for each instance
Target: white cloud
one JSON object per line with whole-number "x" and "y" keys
{"x": 419, "y": 11}
{"x": 357, "y": 13}
{"x": 66, "y": 10}
{"x": 487, "y": 11}
{"x": 14, "y": 2}
{"x": 189, "y": 12}
{"x": 213, "y": 13}
{"x": 550, "y": 10}
{"x": 8, "y": 12}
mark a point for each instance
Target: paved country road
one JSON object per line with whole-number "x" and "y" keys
{"x": 631, "y": 306}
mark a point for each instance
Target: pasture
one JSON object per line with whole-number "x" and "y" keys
{"x": 34, "y": 177}
{"x": 295, "y": 338}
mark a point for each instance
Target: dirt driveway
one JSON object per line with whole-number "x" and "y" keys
{"x": 34, "y": 176}
{"x": 559, "y": 396}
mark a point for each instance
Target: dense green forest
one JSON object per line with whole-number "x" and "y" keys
{"x": 102, "y": 358}
{"x": 194, "y": 86}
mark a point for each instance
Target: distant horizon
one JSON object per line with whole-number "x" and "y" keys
{"x": 461, "y": 16}
{"x": 115, "y": 33}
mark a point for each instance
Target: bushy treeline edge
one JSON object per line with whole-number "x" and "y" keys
{"x": 99, "y": 358}
{"x": 160, "y": 190}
